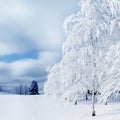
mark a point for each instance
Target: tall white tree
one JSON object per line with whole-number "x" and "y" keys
{"x": 90, "y": 33}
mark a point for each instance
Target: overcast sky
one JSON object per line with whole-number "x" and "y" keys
{"x": 31, "y": 35}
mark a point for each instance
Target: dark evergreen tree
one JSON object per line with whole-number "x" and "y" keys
{"x": 1, "y": 89}
{"x": 34, "y": 88}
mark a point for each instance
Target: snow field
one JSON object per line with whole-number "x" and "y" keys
{"x": 14, "y": 107}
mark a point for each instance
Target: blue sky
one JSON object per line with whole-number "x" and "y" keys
{"x": 31, "y": 36}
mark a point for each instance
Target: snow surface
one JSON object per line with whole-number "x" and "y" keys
{"x": 16, "y": 107}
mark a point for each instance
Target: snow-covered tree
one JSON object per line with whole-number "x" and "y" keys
{"x": 21, "y": 89}
{"x": 90, "y": 33}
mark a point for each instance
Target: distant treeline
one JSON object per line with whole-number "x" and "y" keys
{"x": 24, "y": 89}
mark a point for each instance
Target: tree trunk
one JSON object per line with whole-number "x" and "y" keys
{"x": 94, "y": 79}
{"x": 86, "y": 97}
{"x": 76, "y": 102}
{"x": 93, "y": 104}
{"x": 105, "y": 102}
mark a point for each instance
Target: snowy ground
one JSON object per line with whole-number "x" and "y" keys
{"x": 14, "y": 107}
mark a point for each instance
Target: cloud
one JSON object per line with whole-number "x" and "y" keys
{"x": 4, "y": 69}
{"x": 23, "y": 28}
{"x": 28, "y": 69}
{"x": 27, "y": 26}
{"x": 48, "y": 58}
